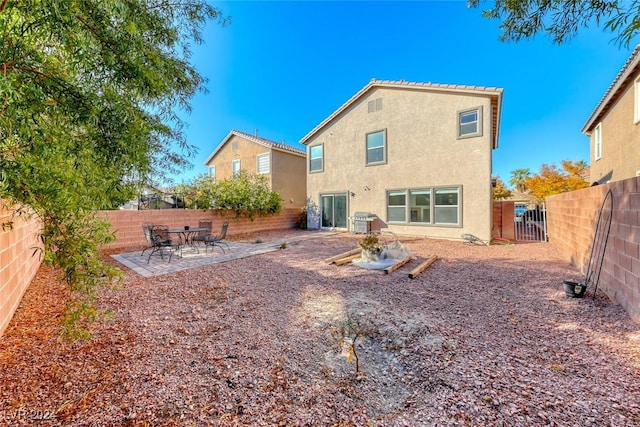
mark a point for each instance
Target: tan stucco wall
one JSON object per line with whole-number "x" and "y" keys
{"x": 288, "y": 171}
{"x": 620, "y": 143}
{"x": 237, "y": 148}
{"x": 422, "y": 151}
{"x": 289, "y": 178}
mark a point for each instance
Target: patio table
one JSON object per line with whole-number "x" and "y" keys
{"x": 185, "y": 236}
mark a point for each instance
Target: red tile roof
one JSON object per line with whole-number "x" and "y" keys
{"x": 258, "y": 140}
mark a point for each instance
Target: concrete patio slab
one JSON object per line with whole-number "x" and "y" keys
{"x": 189, "y": 258}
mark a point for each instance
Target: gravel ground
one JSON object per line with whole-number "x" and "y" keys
{"x": 485, "y": 336}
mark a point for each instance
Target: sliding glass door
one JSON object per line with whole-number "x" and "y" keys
{"x": 334, "y": 210}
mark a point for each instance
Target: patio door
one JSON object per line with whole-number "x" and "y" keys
{"x": 333, "y": 210}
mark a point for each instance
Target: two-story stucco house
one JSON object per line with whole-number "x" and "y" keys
{"x": 284, "y": 166}
{"x": 415, "y": 155}
{"x": 614, "y": 126}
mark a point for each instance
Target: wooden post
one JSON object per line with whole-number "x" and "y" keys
{"x": 346, "y": 260}
{"x": 333, "y": 259}
{"x": 422, "y": 267}
{"x": 397, "y": 265}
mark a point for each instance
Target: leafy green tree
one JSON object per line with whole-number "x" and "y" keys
{"x": 519, "y": 178}
{"x": 500, "y": 191}
{"x": 89, "y": 96}
{"x": 551, "y": 180}
{"x": 199, "y": 193}
{"x": 246, "y": 194}
{"x": 561, "y": 19}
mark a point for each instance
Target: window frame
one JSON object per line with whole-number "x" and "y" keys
{"x": 384, "y": 148}
{"x": 636, "y": 101}
{"x": 268, "y": 157}
{"x": 436, "y": 206}
{"x": 419, "y": 209}
{"x": 408, "y": 207}
{"x": 388, "y": 194}
{"x": 478, "y": 121}
{"x": 597, "y": 142}
{"x": 235, "y": 172}
{"x": 212, "y": 172}
{"x": 321, "y": 169}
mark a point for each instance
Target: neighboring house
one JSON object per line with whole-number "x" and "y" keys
{"x": 416, "y": 155}
{"x": 614, "y": 127}
{"x": 283, "y": 165}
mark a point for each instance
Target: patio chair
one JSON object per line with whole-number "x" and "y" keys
{"x": 203, "y": 236}
{"x": 159, "y": 240}
{"x": 219, "y": 239}
{"x": 146, "y": 229}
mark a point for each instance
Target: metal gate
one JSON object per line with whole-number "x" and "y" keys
{"x": 530, "y": 224}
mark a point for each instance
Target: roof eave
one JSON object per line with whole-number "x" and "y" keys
{"x": 219, "y": 147}
{"x": 620, "y": 82}
{"x": 498, "y": 117}
{"x": 271, "y": 145}
{"x": 475, "y": 90}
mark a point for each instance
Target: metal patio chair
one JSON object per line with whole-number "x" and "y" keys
{"x": 203, "y": 236}
{"x": 159, "y": 240}
{"x": 219, "y": 239}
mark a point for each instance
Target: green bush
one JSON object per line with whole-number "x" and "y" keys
{"x": 245, "y": 194}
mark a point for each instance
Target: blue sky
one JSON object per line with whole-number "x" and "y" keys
{"x": 282, "y": 67}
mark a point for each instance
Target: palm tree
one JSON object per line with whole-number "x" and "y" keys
{"x": 519, "y": 178}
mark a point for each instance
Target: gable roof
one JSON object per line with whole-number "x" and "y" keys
{"x": 625, "y": 76}
{"x": 493, "y": 92}
{"x": 256, "y": 139}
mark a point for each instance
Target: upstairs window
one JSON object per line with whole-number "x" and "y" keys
{"x": 316, "y": 158}
{"x": 212, "y": 173}
{"x": 376, "y": 148}
{"x": 235, "y": 167}
{"x": 263, "y": 163}
{"x": 597, "y": 142}
{"x": 470, "y": 123}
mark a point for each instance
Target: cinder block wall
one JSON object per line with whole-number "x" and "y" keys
{"x": 18, "y": 265}
{"x": 572, "y": 221}
{"x": 127, "y": 224}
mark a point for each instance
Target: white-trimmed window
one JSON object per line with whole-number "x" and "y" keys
{"x": 377, "y": 147}
{"x": 316, "y": 158}
{"x": 597, "y": 142}
{"x": 636, "y": 102}
{"x": 425, "y": 206}
{"x": 235, "y": 167}
{"x": 212, "y": 172}
{"x": 263, "y": 163}
{"x": 470, "y": 123}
